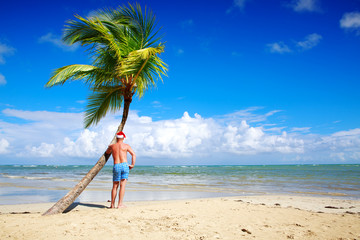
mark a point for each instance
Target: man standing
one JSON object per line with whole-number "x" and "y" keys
{"x": 121, "y": 168}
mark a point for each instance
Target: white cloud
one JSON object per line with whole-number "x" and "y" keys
{"x": 302, "y": 129}
{"x": 53, "y": 135}
{"x": 243, "y": 139}
{"x": 305, "y": 5}
{"x": 237, "y": 4}
{"x": 44, "y": 150}
{"x": 355, "y": 155}
{"x": 171, "y": 138}
{"x": 5, "y": 50}
{"x": 55, "y": 40}
{"x": 340, "y": 156}
{"x": 273, "y": 129}
{"x": 40, "y": 126}
{"x": 85, "y": 146}
{"x": 2, "y": 79}
{"x": 61, "y": 134}
{"x": 53, "y": 119}
{"x": 4, "y": 145}
{"x": 278, "y": 47}
{"x": 351, "y": 21}
{"x": 310, "y": 41}
{"x": 248, "y": 115}
{"x": 340, "y": 145}
{"x": 350, "y": 133}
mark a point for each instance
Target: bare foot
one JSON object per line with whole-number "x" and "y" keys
{"x": 122, "y": 206}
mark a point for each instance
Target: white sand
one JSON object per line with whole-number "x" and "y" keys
{"x": 254, "y": 217}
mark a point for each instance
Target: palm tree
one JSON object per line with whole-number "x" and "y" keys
{"x": 124, "y": 48}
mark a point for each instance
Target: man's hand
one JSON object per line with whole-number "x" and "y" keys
{"x": 131, "y": 166}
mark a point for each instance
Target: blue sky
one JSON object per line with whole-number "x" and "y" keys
{"x": 249, "y": 82}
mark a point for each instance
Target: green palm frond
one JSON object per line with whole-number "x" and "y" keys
{"x": 152, "y": 70}
{"x": 142, "y": 25}
{"x": 95, "y": 33}
{"x": 124, "y": 47}
{"x": 73, "y": 72}
{"x": 134, "y": 63}
{"x": 100, "y": 102}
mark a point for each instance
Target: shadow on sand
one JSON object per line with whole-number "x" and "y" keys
{"x": 90, "y": 205}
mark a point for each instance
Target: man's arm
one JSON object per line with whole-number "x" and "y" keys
{"x": 133, "y": 157}
{"x": 109, "y": 150}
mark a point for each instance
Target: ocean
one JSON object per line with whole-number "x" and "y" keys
{"x": 21, "y": 184}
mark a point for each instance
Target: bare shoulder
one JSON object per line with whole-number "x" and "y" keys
{"x": 112, "y": 146}
{"x": 127, "y": 147}
{"x": 110, "y": 149}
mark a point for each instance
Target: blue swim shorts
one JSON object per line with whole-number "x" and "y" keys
{"x": 120, "y": 171}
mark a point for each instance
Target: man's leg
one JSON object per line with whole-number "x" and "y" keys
{"x": 122, "y": 192}
{"x": 113, "y": 193}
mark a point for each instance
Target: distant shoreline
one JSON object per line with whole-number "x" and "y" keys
{"x": 190, "y": 165}
{"x": 42, "y": 183}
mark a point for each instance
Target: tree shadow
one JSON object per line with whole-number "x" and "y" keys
{"x": 91, "y": 205}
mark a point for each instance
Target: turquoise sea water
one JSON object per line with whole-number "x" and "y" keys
{"x": 39, "y": 183}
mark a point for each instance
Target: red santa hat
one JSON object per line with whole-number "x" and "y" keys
{"x": 120, "y": 135}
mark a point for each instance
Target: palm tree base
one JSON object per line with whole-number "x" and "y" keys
{"x": 71, "y": 196}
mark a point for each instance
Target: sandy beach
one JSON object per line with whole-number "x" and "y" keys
{"x": 245, "y": 217}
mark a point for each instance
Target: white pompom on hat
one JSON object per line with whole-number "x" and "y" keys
{"x": 120, "y": 135}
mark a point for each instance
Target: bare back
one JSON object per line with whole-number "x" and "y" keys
{"x": 119, "y": 152}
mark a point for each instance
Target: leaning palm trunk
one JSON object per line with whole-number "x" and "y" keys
{"x": 124, "y": 46}
{"x": 70, "y": 197}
